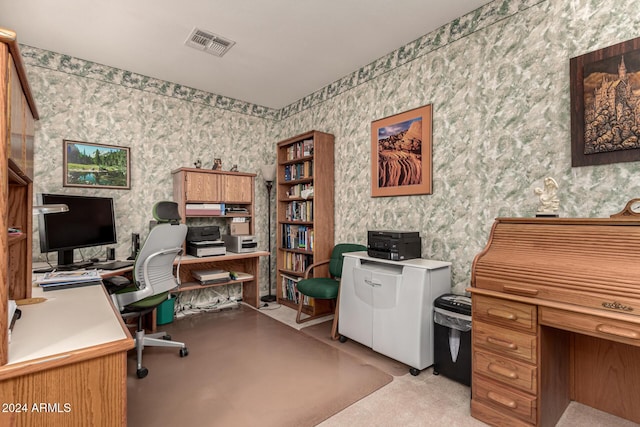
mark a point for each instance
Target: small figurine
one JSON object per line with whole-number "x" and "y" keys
{"x": 234, "y": 168}
{"x": 198, "y": 164}
{"x": 549, "y": 201}
{"x": 217, "y": 164}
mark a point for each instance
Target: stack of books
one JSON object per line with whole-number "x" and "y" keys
{"x": 68, "y": 279}
{"x": 211, "y": 277}
{"x": 204, "y": 209}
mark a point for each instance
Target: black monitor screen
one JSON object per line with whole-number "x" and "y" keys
{"x": 90, "y": 221}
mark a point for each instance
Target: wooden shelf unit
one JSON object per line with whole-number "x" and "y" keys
{"x": 191, "y": 185}
{"x": 299, "y": 168}
{"x": 17, "y": 117}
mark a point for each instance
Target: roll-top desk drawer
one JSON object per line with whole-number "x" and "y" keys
{"x": 505, "y": 399}
{"x": 508, "y": 371}
{"x": 599, "y": 327}
{"x": 506, "y": 313}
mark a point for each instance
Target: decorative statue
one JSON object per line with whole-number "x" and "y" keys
{"x": 548, "y": 196}
{"x": 198, "y": 164}
{"x": 217, "y": 164}
{"x": 234, "y": 168}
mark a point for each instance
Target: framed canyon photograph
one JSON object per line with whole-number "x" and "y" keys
{"x": 401, "y": 154}
{"x": 86, "y": 164}
{"x": 605, "y": 105}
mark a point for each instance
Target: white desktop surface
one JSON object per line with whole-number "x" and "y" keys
{"x": 69, "y": 320}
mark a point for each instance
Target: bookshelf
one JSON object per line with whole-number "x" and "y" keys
{"x": 305, "y": 225}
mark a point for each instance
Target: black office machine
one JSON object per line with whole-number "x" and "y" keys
{"x": 394, "y": 245}
{"x": 205, "y": 241}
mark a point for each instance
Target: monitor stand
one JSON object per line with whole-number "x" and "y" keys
{"x": 65, "y": 261}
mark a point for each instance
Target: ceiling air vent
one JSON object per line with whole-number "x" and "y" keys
{"x": 208, "y": 42}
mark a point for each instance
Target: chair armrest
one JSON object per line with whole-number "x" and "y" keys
{"x": 115, "y": 283}
{"x": 314, "y": 265}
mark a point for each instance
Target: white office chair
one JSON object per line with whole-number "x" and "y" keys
{"x": 154, "y": 278}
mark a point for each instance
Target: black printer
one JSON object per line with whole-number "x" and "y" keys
{"x": 394, "y": 245}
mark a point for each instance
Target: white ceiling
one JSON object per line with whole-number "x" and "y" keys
{"x": 285, "y": 49}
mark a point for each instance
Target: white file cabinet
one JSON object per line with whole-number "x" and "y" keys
{"x": 388, "y": 305}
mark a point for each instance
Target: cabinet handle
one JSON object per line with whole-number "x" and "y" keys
{"x": 619, "y": 332}
{"x": 521, "y": 291}
{"x": 502, "y": 314}
{"x": 502, "y": 371}
{"x": 502, "y": 343}
{"x": 504, "y": 401}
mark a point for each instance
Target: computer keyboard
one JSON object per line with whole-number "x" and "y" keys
{"x": 112, "y": 265}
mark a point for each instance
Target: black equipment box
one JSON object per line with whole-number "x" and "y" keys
{"x": 452, "y": 337}
{"x": 203, "y": 233}
{"x": 394, "y": 245}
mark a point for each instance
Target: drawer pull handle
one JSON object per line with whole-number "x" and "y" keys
{"x": 502, "y": 314}
{"x": 620, "y": 332}
{"x": 521, "y": 291}
{"x": 502, "y": 371}
{"x": 504, "y": 401}
{"x": 501, "y": 343}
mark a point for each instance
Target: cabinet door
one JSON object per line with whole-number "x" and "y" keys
{"x": 204, "y": 187}
{"x": 237, "y": 189}
{"x": 18, "y": 152}
{"x": 356, "y": 302}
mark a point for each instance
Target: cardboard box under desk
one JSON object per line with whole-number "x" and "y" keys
{"x": 238, "y": 228}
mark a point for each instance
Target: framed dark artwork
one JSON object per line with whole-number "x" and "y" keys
{"x": 401, "y": 154}
{"x": 86, "y": 164}
{"x": 605, "y": 105}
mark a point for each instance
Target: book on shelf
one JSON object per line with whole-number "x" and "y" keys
{"x": 204, "y": 208}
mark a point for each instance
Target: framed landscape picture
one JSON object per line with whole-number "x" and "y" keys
{"x": 605, "y": 105}
{"x": 86, "y": 164}
{"x": 401, "y": 154}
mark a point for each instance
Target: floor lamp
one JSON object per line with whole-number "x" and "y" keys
{"x": 269, "y": 173}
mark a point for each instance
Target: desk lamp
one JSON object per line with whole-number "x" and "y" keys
{"x": 47, "y": 209}
{"x": 268, "y": 174}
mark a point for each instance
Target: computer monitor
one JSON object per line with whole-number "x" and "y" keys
{"x": 90, "y": 221}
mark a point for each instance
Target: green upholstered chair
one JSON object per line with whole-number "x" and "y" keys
{"x": 325, "y": 287}
{"x": 154, "y": 278}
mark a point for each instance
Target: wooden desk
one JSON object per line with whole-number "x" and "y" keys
{"x": 67, "y": 362}
{"x": 247, "y": 263}
{"x": 556, "y": 317}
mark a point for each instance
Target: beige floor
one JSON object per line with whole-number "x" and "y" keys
{"x": 429, "y": 400}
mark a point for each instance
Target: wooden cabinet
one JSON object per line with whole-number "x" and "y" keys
{"x": 201, "y": 186}
{"x": 17, "y": 115}
{"x": 234, "y": 189}
{"x": 305, "y": 226}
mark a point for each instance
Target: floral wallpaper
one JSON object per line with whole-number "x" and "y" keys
{"x": 498, "y": 80}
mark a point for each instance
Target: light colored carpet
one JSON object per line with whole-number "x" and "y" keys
{"x": 245, "y": 369}
{"x": 322, "y": 332}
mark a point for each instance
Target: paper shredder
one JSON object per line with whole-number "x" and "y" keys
{"x": 452, "y": 337}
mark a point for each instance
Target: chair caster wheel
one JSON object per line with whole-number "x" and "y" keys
{"x": 167, "y": 337}
{"x": 414, "y": 371}
{"x": 184, "y": 352}
{"x": 342, "y": 339}
{"x": 142, "y": 372}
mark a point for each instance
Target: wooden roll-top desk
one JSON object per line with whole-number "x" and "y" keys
{"x": 556, "y": 318}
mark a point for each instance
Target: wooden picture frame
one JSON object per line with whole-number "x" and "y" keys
{"x": 86, "y": 164}
{"x": 602, "y": 104}
{"x": 401, "y": 162}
